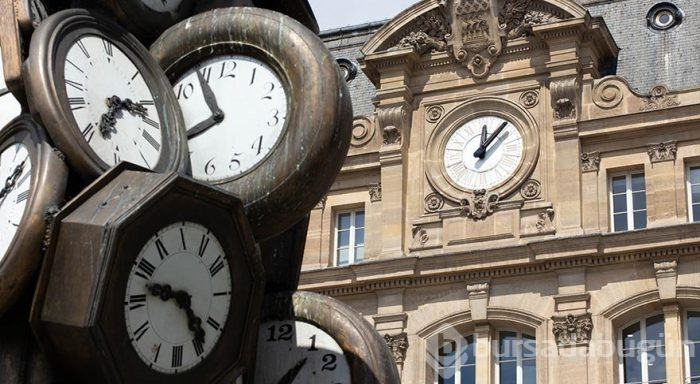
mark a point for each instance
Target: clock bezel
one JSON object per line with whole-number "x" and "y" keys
{"x": 526, "y": 125}
{"x": 48, "y": 185}
{"x": 43, "y": 73}
{"x": 279, "y": 190}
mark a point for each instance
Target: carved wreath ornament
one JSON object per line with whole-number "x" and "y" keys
{"x": 480, "y": 205}
{"x": 398, "y": 345}
{"x": 573, "y": 330}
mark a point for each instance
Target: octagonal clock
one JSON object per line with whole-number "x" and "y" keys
{"x": 163, "y": 285}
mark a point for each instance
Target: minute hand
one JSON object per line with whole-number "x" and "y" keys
{"x": 210, "y": 98}
{"x": 481, "y": 151}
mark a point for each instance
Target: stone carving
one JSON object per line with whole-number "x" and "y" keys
{"x": 564, "y": 96}
{"x": 375, "y": 192}
{"x": 662, "y": 151}
{"x": 530, "y": 190}
{"x": 322, "y": 203}
{"x": 590, "y": 161}
{"x": 434, "y": 113}
{"x": 544, "y": 220}
{"x": 609, "y": 93}
{"x": 420, "y": 235}
{"x": 519, "y": 16}
{"x": 422, "y": 43}
{"x": 426, "y": 34}
{"x": 392, "y": 120}
{"x": 666, "y": 267}
{"x": 529, "y": 99}
{"x": 659, "y": 99}
{"x": 478, "y": 289}
{"x": 398, "y": 345}
{"x": 480, "y": 204}
{"x": 362, "y": 131}
{"x": 434, "y": 202}
{"x": 476, "y": 39}
{"x": 573, "y": 329}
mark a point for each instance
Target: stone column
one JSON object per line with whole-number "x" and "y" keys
{"x": 391, "y": 323}
{"x": 661, "y": 185}
{"x": 674, "y": 344}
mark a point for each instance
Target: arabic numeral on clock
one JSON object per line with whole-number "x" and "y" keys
{"x": 276, "y": 117}
{"x": 257, "y": 143}
{"x": 206, "y": 73}
{"x": 235, "y": 163}
{"x": 329, "y": 361}
{"x": 185, "y": 90}
{"x": 284, "y": 333}
{"x": 209, "y": 167}
{"x": 313, "y": 343}
{"x": 268, "y": 94}
{"x": 227, "y": 68}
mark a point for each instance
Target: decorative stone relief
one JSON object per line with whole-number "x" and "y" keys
{"x": 375, "y": 192}
{"x": 362, "y": 131}
{"x": 478, "y": 289}
{"x": 545, "y": 220}
{"x": 666, "y": 267}
{"x": 662, "y": 152}
{"x": 519, "y": 16}
{"x": 530, "y": 190}
{"x": 434, "y": 202}
{"x": 434, "y": 113}
{"x": 392, "y": 120}
{"x": 322, "y": 203}
{"x": 590, "y": 161}
{"x": 564, "y": 96}
{"x": 609, "y": 93}
{"x": 398, "y": 345}
{"x": 572, "y": 329}
{"x": 420, "y": 235}
{"x": 422, "y": 43}
{"x": 659, "y": 99}
{"x": 530, "y": 99}
{"x": 476, "y": 39}
{"x": 426, "y": 34}
{"x": 480, "y": 204}
{"x": 667, "y": 278}
{"x": 478, "y": 294}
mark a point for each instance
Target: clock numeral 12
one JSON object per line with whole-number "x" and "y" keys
{"x": 285, "y": 333}
{"x": 177, "y": 356}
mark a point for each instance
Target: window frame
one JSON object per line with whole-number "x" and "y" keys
{"x": 689, "y": 191}
{"x": 643, "y": 352}
{"x": 628, "y": 198}
{"x": 495, "y": 350}
{"x": 686, "y": 349}
{"x": 351, "y": 247}
{"x": 458, "y": 371}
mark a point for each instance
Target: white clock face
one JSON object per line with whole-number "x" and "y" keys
{"x": 301, "y": 353}
{"x": 181, "y": 260}
{"x": 15, "y": 176}
{"x": 162, "y": 5}
{"x": 483, "y": 153}
{"x": 235, "y": 108}
{"x": 96, "y": 71}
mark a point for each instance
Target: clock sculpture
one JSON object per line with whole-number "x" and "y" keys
{"x": 317, "y": 339}
{"x": 33, "y": 179}
{"x": 267, "y": 115}
{"x": 150, "y": 278}
{"x": 101, "y": 96}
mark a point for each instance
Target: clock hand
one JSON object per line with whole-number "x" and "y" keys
{"x": 184, "y": 301}
{"x": 115, "y": 104}
{"x": 289, "y": 377}
{"x": 12, "y": 180}
{"x": 484, "y": 133}
{"x": 202, "y": 127}
{"x": 134, "y": 108}
{"x": 210, "y": 98}
{"x": 481, "y": 151}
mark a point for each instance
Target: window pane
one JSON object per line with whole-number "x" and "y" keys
{"x": 694, "y": 354}
{"x": 529, "y": 347}
{"x": 639, "y": 200}
{"x": 343, "y": 239}
{"x": 655, "y": 330}
{"x": 695, "y": 193}
{"x": 619, "y": 184}
{"x": 360, "y": 219}
{"x": 620, "y": 222}
{"x": 696, "y": 212}
{"x": 640, "y": 219}
{"x": 508, "y": 373}
{"x": 446, "y": 376}
{"x": 656, "y": 363}
{"x": 694, "y": 326}
{"x": 468, "y": 375}
{"x": 638, "y": 182}
{"x": 633, "y": 368}
{"x": 507, "y": 346}
{"x": 359, "y": 254}
{"x": 619, "y": 203}
{"x": 344, "y": 220}
{"x": 446, "y": 353}
{"x": 360, "y": 237}
{"x": 529, "y": 372}
{"x": 632, "y": 335}
{"x": 695, "y": 175}
{"x": 343, "y": 256}
{"x": 466, "y": 356}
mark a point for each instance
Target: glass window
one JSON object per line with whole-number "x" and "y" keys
{"x": 457, "y": 363}
{"x": 516, "y": 358}
{"x": 643, "y": 352}
{"x": 692, "y": 347}
{"x": 694, "y": 193}
{"x": 350, "y": 238}
{"x": 628, "y": 202}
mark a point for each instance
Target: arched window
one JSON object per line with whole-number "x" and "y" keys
{"x": 643, "y": 358}
{"x": 456, "y": 360}
{"x": 692, "y": 347}
{"x": 515, "y": 358}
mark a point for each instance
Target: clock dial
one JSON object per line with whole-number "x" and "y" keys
{"x": 235, "y": 109}
{"x": 15, "y": 175}
{"x": 483, "y": 153}
{"x": 111, "y": 103}
{"x": 162, "y": 5}
{"x": 302, "y": 353}
{"x": 177, "y": 298}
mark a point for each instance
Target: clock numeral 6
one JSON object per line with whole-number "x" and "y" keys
{"x": 209, "y": 168}
{"x": 285, "y": 333}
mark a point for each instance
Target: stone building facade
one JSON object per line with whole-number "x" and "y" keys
{"x": 568, "y": 254}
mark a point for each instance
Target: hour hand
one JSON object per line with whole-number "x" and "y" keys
{"x": 202, "y": 127}
{"x": 481, "y": 151}
{"x": 210, "y": 97}
{"x": 484, "y": 134}
{"x": 289, "y": 377}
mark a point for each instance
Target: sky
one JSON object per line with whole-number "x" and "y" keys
{"x": 332, "y": 14}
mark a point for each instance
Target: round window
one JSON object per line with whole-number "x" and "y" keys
{"x": 664, "y": 16}
{"x": 347, "y": 68}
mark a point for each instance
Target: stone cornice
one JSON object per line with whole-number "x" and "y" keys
{"x": 483, "y": 264}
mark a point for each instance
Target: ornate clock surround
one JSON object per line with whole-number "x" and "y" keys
{"x": 453, "y": 120}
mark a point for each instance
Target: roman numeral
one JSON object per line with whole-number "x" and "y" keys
{"x": 198, "y": 347}
{"x": 217, "y": 266}
{"x": 76, "y": 67}
{"x": 182, "y": 237}
{"x": 137, "y": 301}
{"x": 177, "y": 356}
{"x": 88, "y": 132}
{"x": 80, "y": 45}
{"x": 135, "y": 74}
{"x": 151, "y": 140}
{"x": 24, "y": 178}
{"x": 79, "y": 103}
{"x": 152, "y": 123}
{"x": 22, "y": 196}
{"x": 138, "y": 334}
{"x": 225, "y": 293}
{"x": 108, "y": 47}
{"x": 214, "y": 324}
{"x": 75, "y": 85}
{"x": 155, "y": 358}
{"x": 203, "y": 245}
{"x": 162, "y": 252}
{"x": 147, "y": 102}
{"x": 146, "y": 269}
